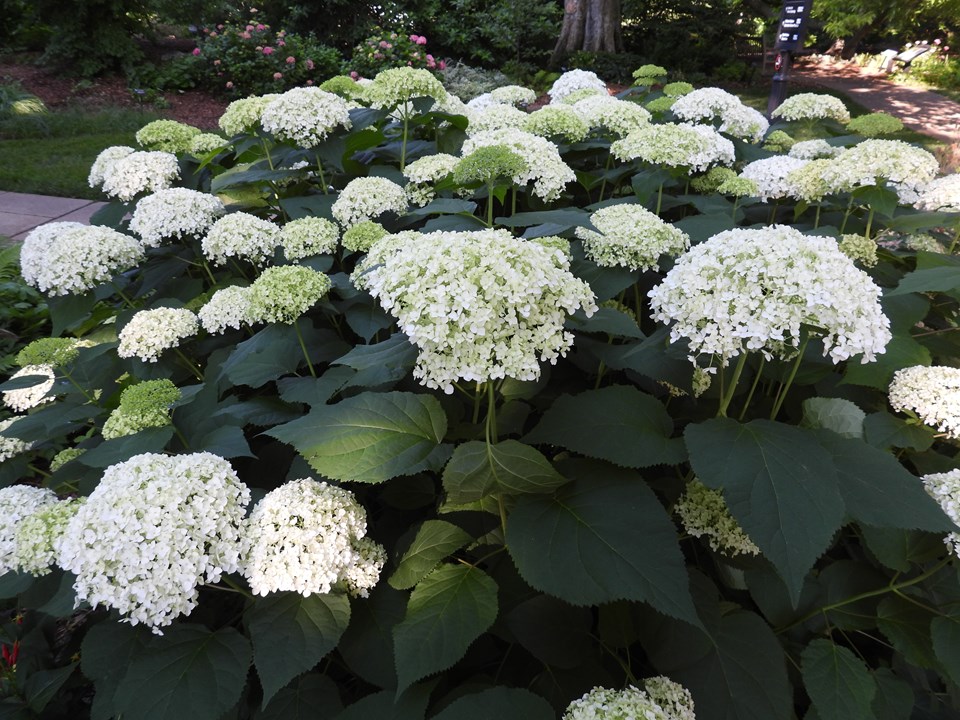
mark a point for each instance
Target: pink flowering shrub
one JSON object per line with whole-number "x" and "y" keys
{"x": 384, "y": 50}
{"x": 250, "y": 58}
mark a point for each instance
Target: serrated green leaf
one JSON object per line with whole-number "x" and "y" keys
{"x": 384, "y": 362}
{"x": 894, "y": 699}
{"x": 907, "y": 627}
{"x": 945, "y": 633}
{"x": 115, "y": 450}
{"x": 938, "y": 279}
{"x": 780, "y": 485}
{"x": 314, "y": 391}
{"x": 619, "y": 424}
{"x": 272, "y": 352}
{"x": 902, "y": 351}
{"x": 879, "y": 491}
{"x": 835, "y": 414}
{"x": 606, "y": 320}
{"x": 606, "y": 282}
{"x": 703, "y": 227}
{"x": 434, "y": 541}
{"x": 308, "y": 698}
{"x": 227, "y": 441}
{"x": 554, "y": 632}
{"x": 602, "y": 538}
{"x": 449, "y": 609}
{"x": 189, "y": 672}
{"x": 502, "y": 703}
{"x": 367, "y": 645}
{"x": 292, "y": 633}
{"x": 13, "y": 582}
{"x": 42, "y": 686}
{"x": 370, "y": 437}
{"x": 880, "y": 199}
{"x": 477, "y": 470}
{"x": 837, "y": 681}
{"x": 900, "y": 549}
{"x": 104, "y": 657}
{"x": 885, "y": 431}
{"x": 412, "y": 705}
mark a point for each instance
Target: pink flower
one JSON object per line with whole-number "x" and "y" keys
{"x": 253, "y": 10}
{"x": 421, "y": 40}
{"x": 213, "y": 34}
{"x": 220, "y": 26}
{"x": 282, "y": 33}
{"x": 249, "y": 28}
{"x": 291, "y": 60}
{"x": 245, "y": 35}
{"x": 309, "y": 64}
{"x": 378, "y": 56}
{"x": 384, "y": 44}
{"x": 278, "y": 76}
{"x": 229, "y": 85}
{"x": 389, "y": 45}
{"x": 196, "y": 51}
{"x": 354, "y": 74}
{"x": 268, "y": 50}
{"x": 443, "y": 65}
{"x": 281, "y": 43}
{"x": 413, "y": 38}
{"x": 216, "y": 62}
{"x": 309, "y": 82}
{"x": 261, "y": 26}
{"x": 416, "y": 56}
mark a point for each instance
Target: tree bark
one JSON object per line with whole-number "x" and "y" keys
{"x": 591, "y": 25}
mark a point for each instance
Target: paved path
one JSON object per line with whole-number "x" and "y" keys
{"x": 20, "y": 212}
{"x": 920, "y": 110}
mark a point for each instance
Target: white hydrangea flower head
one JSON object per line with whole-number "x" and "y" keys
{"x": 574, "y": 80}
{"x": 104, "y": 162}
{"x": 16, "y": 503}
{"x": 753, "y": 289}
{"x": 945, "y": 489}
{"x": 362, "y": 236}
{"x": 30, "y": 397}
{"x": 451, "y": 105}
{"x": 496, "y": 117}
{"x": 906, "y": 167}
{"x": 631, "y": 236}
{"x": 704, "y": 512}
{"x": 673, "y": 697}
{"x": 284, "y": 293}
{"x": 11, "y": 446}
{"x": 480, "y": 103}
{"x": 618, "y": 117}
{"x": 707, "y": 104}
{"x": 479, "y": 305}
{"x": 39, "y": 536}
{"x": 167, "y": 135}
{"x": 174, "y": 213}
{"x": 244, "y": 115}
{"x": 65, "y": 456}
{"x": 557, "y": 121}
{"x": 933, "y": 393}
{"x": 514, "y": 95}
{"x": 604, "y": 704}
{"x": 367, "y": 198}
{"x": 305, "y": 115}
{"x": 694, "y": 147}
{"x": 812, "y": 106}
{"x": 310, "y": 537}
{"x": 941, "y": 194}
{"x": 396, "y": 86}
{"x": 140, "y": 172}
{"x": 67, "y": 258}
{"x": 545, "y": 167}
{"x": 860, "y": 249}
{"x": 243, "y": 236}
{"x": 814, "y": 150}
{"x": 430, "y": 168}
{"x": 308, "y": 236}
{"x": 153, "y": 530}
{"x": 206, "y": 142}
{"x": 806, "y": 182}
{"x": 229, "y": 307}
{"x": 150, "y": 332}
{"x": 771, "y": 176}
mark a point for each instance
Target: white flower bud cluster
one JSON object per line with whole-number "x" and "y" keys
{"x": 30, "y": 397}
{"x": 574, "y": 80}
{"x": 167, "y": 135}
{"x": 396, "y": 86}
{"x": 497, "y": 117}
{"x": 153, "y": 530}
{"x": 812, "y": 106}
{"x": 174, "y": 213}
{"x": 140, "y": 172}
{"x": 308, "y": 236}
{"x": 945, "y": 489}
{"x": 631, "y": 236}
{"x": 366, "y": 198}
{"x": 745, "y": 290}
{"x": 513, "y": 95}
{"x": 305, "y": 115}
{"x": 243, "y": 236}
{"x": 479, "y": 305}
{"x": 673, "y": 697}
{"x": 704, "y": 512}
{"x": 150, "y": 332}
{"x": 814, "y": 149}
{"x": 561, "y": 121}
{"x": 933, "y": 393}
{"x": 11, "y": 446}
{"x": 663, "y": 699}
{"x": 308, "y": 537}
{"x": 16, "y": 503}
{"x": 284, "y": 293}
{"x": 545, "y": 167}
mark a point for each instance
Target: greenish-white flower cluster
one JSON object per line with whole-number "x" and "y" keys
{"x": 11, "y": 446}
{"x": 573, "y": 81}
{"x": 812, "y": 106}
{"x": 366, "y": 198}
{"x": 704, "y": 513}
{"x": 561, "y": 121}
{"x": 479, "y": 305}
{"x": 771, "y": 176}
{"x": 167, "y": 135}
{"x": 206, "y": 142}
{"x": 545, "y": 167}
{"x": 424, "y": 172}
{"x": 154, "y": 529}
{"x": 309, "y": 236}
{"x": 814, "y": 149}
{"x": 806, "y": 182}
{"x": 104, "y": 162}
{"x": 906, "y": 167}
{"x": 284, "y": 293}
{"x": 933, "y": 393}
{"x": 941, "y": 194}
{"x": 242, "y": 236}
{"x": 496, "y": 117}
{"x": 16, "y": 503}
{"x": 305, "y": 115}
{"x": 22, "y": 399}
{"x": 708, "y": 104}
{"x": 150, "y": 332}
{"x": 39, "y": 536}
{"x": 310, "y": 537}
{"x": 859, "y": 248}
{"x": 139, "y": 172}
{"x": 745, "y": 290}
{"x": 618, "y": 117}
{"x": 362, "y": 236}
{"x": 174, "y": 213}
{"x": 144, "y": 405}
{"x": 229, "y": 307}
{"x": 396, "y": 86}
{"x": 875, "y": 124}
{"x": 513, "y": 95}
{"x": 945, "y": 489}
{"x": 692, "y": 147}
{"x": 662, "y": 699}
{"x": 631, "y": 236}
{"x": 49, "y": 351}
{"x": 244, "y": 115}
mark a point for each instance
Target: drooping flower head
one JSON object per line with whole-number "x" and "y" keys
{"x": 812, "y": 106}
{"x": 153, "y": 530}
{"x": 144, "y": 405}
{"x": 16, "y": 503}
{"x": 933, "y": 393}
{"x": 745, "y": 290}
{"x": 367, "y": 198}
{"x": 704, "y": 512}
{"x": 284, "y": 293}
{"x": 243, "y": 236}
{"x": 174, "y": 213}
{"x": 424, "y": 173}
{"x": 150, "y": 332}
{"x": 479, "y": 305}
{"x": 630, "y": 236}
{"x": 305, "y": 115}
{"x": 167, "y": 135}
{"x": 140, "y": 172}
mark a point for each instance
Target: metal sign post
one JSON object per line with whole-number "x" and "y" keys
{"x": 790, "y": 35}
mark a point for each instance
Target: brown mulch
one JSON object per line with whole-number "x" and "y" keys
{"x": 57, "y": 90}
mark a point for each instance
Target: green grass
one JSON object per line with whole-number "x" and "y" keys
{"x": 51, "y": 153}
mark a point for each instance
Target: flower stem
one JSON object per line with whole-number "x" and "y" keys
{"x": 659, "y": 199}
{"x": 753, "y": 387}
{"x": 323, "y": 181}
{"x": 782, "y": 395}
{"x": 731, "y": 388}
{"x": 816, "y": 219}
{"x": 869, "y": 222}
{"x": 123, "y": 296}
{"x": 606, "y": 169}
{"x": 956, "y": 238}
{"x": 491, "y": 423}
{"x": 403, "y": 145}
{"x": 303, "y": 347}
{"x": 490, "y": 204}
{"x": 846, "y": 215}
{"x": 189, "y": 363}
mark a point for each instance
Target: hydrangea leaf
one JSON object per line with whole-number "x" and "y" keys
{"x": 110, "y": 452}
{"x": 449, "y": 609}
{"x": 292, "y": 633}
{"x": 502, "y": 703}
{"x": 780, "y": 485}
{"x": 885, "y": 431}
{"x": 42, "y": 685}
{"x": 602, "y": 538}
{"x": 412, "y": 705}
{"x": 370, "y": 437}
{"x": 272, "y": 352}
{"x": 314, "y": 391}
{"x": 367, "y": 645}
{"x": 619, "y": 424}
{"x": 606, "y": 320}
{"x": 309, "y": 697}
{"x": 837, "y": 681}
{"x": 188, "y": 672}
{"x": 433, "y": 542}
{"x": 104, "y": 655}
{"x": 384, "y": 362}
{"x": 841, "y": 416}
{"x": 907, "y": 627}
{"x": 894, "y": 699}
{"x": 477, "y": 470}
{"x": 945, "y": 632}
{"x": 937, "y": 279}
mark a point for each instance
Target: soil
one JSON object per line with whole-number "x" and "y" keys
{"x": 58, "y": 90}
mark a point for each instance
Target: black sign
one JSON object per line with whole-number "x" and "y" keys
{"x": 793, "y": 25}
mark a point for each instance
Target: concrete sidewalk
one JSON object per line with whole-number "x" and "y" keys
{"x": 20, "y": 213}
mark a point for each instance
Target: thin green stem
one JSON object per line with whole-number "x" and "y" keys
{"x": 490, "y": 203}
{"x": 816, "y": 218}
{"x": 731, "y": 388}
{"x": 38, "y": 471}
{"x": 773, "y": 211}
{"x": 303, "y": 347}
{"x": 606, "y": 169}
{"x": 869, "y": 222}
{"x": 323, "y": 181}
{"x": 956, "y": 238}
{"x": 753, "y": 387}
{"x": 476, "y": 403}
{"x": 736, "y": 202}
{"x": 782, "y": 395}
{"x": 403, "y": 146}
{"x": 233, "y": 587}
{"x": 846, "y": 215}
{"x": 659, "y": 199}
{"x": 513, "y": 202}
{"x": 79, "y": 387}
{"x": 180, "y": 436}
{"x": 491, "y": 425}
{"x": 206, "y": 266}
{"x": 123, "y": 296}
{"x": 189, "y": 363}
{"x": 600, "y": 370}
{"x": 266, "y": 151}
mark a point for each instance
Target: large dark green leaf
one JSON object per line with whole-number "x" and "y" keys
{"x": 384, "y": 705}
{"x": 367, "y": 645}
{"x": 115, "y": 450}
{"x": 617, "y": 423}
{"x": 189, "y": 672}
{"x": 434, "y": 541}
{"x": 780, "y": 485}
{"x": 370, "y": 437}
{"x": 449, "y": 609}
{"x": 104, "y": 656}
{"x": 837, "y": 681}
{"x": 554, "y": 632}
{"x": 291, "y": 633}
{"x": 602, "y": 538}
{"x": 314, "y": 391}
{"x": 885, "y": 431}
{"x": 945, "y": 632}
{"x": 272, "y": 352}
{"x": 308, "y": 698}
{"x": 902, "y": 351}
{"x": 42, "y": 685}
{"x": 385, "y": 362}
{"x": 606, "y": 320}
{"x": 836, "y": 414}
{"x": 501, "y": 703}
{"x": 907, "y": 627}
{"x": 894, "y": 699}
{"x": 477, "y": 470}
{"x": 938, "y": 279}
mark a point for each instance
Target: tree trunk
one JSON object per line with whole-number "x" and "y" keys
{"x": 850, "y": 46}
{"x": 591, "y": 25}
